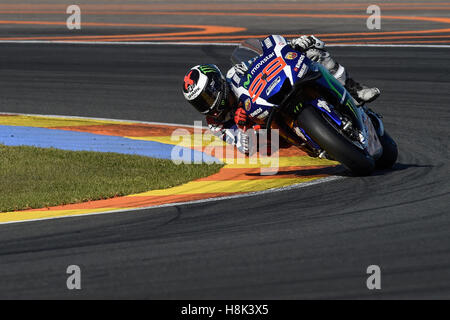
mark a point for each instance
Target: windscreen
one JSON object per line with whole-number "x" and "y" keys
{"x": 247, "y": 50}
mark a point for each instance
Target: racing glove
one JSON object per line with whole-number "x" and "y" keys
{"x": 240, "y": 118}
{"x": 247, "y": 140}
{"x": 243, "y": 142}
{"x": 305, "y": 43}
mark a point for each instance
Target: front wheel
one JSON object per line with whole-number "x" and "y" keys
{"x": 390, "y": 152}
{"x": 358, "y": 161}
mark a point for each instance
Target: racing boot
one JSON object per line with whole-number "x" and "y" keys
{"x": 361, "y": 93}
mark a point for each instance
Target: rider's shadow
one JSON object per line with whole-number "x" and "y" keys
{"x": 335, "y": 170}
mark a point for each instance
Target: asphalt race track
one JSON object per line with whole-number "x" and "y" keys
{"x": 313, "y": 242}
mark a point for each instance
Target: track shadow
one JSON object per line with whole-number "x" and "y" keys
{"x": 400, "y": 167}
{"x": 337, "y": 170}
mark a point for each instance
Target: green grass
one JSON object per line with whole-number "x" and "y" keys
{"x": 35, "y": 178}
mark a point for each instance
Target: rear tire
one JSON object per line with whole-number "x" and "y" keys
{"x": 390, "y": 152}
{"x": 358, "y": 161}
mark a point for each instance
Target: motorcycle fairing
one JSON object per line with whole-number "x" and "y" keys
{"x": 273, "y": 74}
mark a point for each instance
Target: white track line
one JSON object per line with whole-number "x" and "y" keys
{"x": 210, "y": 44}
{"x": 117, "y": 43}
{"x": 99, "y": 119}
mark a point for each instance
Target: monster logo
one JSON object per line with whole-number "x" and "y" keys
{"x": 247, "y": 83}
{"x": 207, "y": 69}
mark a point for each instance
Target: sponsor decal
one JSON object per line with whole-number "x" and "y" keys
{"x": 302, "y": 71}
{"x": 262, "y": 62}
{"x": 188, "y": 82}
{"x": 299, "y": 62}
{"x": 269, "y": 72}
{"x": 298, "y": 107}
{"x": 193, "y": 92}
{"x": 247, "y": 83}
{"x": 281, "y": 41}
{"x": 236, "y": 78}
{"x": 300, "y": 133}
{"x": 290, "y": 55}
{"x": 323, "y": 104}
{"x": 256, "y": 112}
{"x": 247, "y": 104}
{"x": 273, "y": 85}
{"x": 263, "y": 115}
{"x": 207, "y": 69}
{"x": 268, "y": 43}
{"x": 194, "y": 82}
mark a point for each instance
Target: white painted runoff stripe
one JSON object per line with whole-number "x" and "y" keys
{"x": 210, "y": 43}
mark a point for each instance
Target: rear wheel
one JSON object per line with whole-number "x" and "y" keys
{"x": 390, "y": 152}
{"x": 358, "y": 161}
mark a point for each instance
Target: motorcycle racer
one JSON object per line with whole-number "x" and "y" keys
{"x": 215, "y": 96}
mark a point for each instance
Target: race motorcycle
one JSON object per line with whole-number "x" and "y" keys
{"x": 284, "y": 89}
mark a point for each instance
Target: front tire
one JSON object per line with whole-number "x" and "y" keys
{"x": 358, "y": 161}
{"x": 390, "y": 152}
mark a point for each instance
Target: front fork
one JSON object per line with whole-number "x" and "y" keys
{"x": 370, "y": 121}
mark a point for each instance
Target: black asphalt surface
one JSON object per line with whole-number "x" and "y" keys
{"x": 314, "y": 242}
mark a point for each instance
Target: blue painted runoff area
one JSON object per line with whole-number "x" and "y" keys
{"x": 84, "y": 141}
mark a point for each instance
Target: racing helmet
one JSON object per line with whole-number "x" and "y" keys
{"x": 206, "y": 89}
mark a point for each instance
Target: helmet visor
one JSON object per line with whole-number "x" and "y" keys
{"x": 210, "y": 99}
